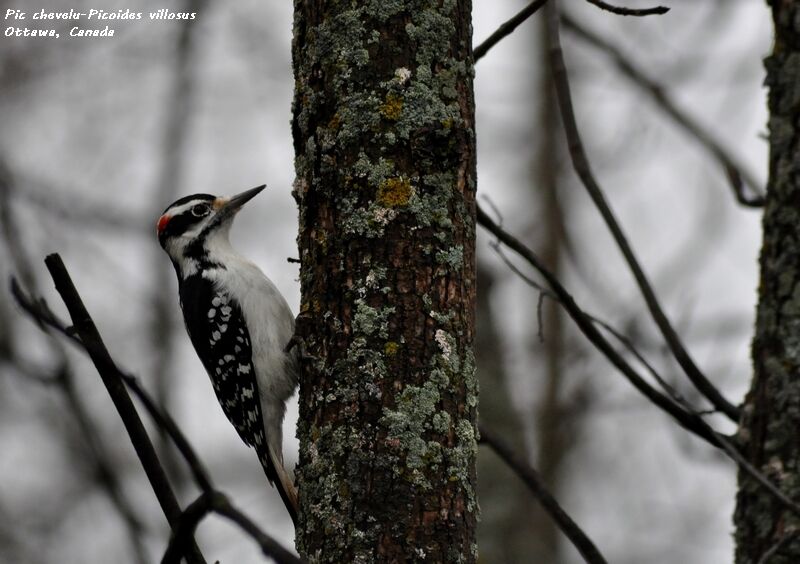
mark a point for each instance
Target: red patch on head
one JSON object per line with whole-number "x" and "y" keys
{"x": 162, "y": 223}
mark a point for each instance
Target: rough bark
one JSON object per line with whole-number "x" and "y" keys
{"x": 771, "y": 416}
{"x": 385, "y": 162}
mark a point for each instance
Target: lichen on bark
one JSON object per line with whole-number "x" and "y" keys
{"x": 385, "y": 180}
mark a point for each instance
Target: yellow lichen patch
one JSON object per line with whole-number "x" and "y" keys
{"x": 392, "y": 107}
{"x": 394, "y": 192}
{"x": 390, "y": 348}
{"x": 335, "y": 121}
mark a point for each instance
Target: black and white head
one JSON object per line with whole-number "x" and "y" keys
{"x": 193, "y": 227}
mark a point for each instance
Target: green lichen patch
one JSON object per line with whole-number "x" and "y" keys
{"x": 369, "y": 221}
{"x": 371, "y": 320}
{"x": 453, "y": 257}
{"x": 431, "y": 30}
{"x": 407, "y": 425}
{"x": 359, "y": 115}
{"x": 461, "y": 458}
{"x": 430, "y": 205}
{"x": 424, "y": 109}
{"x": 375, "y": 172}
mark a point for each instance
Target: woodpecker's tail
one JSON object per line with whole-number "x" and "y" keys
{"x": 280, "y": 480}
{"x": 284, "y": 485}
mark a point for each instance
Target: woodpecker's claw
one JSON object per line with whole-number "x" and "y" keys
{"x": 293, "y": 342}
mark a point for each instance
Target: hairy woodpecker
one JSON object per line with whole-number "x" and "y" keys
{"x": 238, "y": 322}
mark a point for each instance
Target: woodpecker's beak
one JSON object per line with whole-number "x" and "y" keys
{"x": 227, "y": 207}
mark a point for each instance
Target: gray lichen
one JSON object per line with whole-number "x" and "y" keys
{"x": 381, "y": 110}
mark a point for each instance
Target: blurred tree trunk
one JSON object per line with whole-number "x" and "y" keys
{"x": 552, "y": 428}
{"x": 771, "y": 415}
{"x": 385, "y": 161}
{"x": 506, "y": 532}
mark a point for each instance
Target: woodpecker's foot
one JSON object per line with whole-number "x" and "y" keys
{"x": 293, "y": 342}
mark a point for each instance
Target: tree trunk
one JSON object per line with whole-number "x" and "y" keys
{"x": 385, "y": 162}
{"x": 771, "y": 415}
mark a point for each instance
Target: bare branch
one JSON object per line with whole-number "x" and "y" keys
{"x": 184, "y": 529}
{"x": 268, "y": 546}
{"x": 507, "y": 28}
{"x": 689, "y": 421}
{"x": 86, "y": 335}
{"x": 216, "y": 502}
{"x": 720, "y": 440}
{"x": 737, "y": 174}
{"x": 526, "y": 472}
{"x": 621, "y": 11}
{"x": 583, "y": 169}
{"x": 167, "y": 424}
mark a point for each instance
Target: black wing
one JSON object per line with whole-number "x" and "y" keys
{"x": 219, "y": 334}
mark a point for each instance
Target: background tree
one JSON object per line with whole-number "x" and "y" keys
{"x": 766, "y": 529}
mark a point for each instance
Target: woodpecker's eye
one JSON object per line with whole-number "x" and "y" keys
{"x": 200, "y": 210}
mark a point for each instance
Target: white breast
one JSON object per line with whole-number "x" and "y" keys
{"x": 269, "y": 321}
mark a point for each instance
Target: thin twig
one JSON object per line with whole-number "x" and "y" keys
{"x": 507, "y": 28}
{"x": 583, "y": 169}
{"x": 625, "y": 342}
{"x": 528, "y": 474}
{"x": 269, "y": 547}
{"x": 701, "y": 428}
{"x": 622, "y": 11}
{"x": 165, "y": 422}
{"x": 217, "y": 502}
{"x": 737, "y": 174}
{"x": 185, "y": 528}
{"x": 585, "y": 324}
{"x": 545, "y": 293}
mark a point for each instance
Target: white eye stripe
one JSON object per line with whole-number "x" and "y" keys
{"x": 183, "y": 208}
